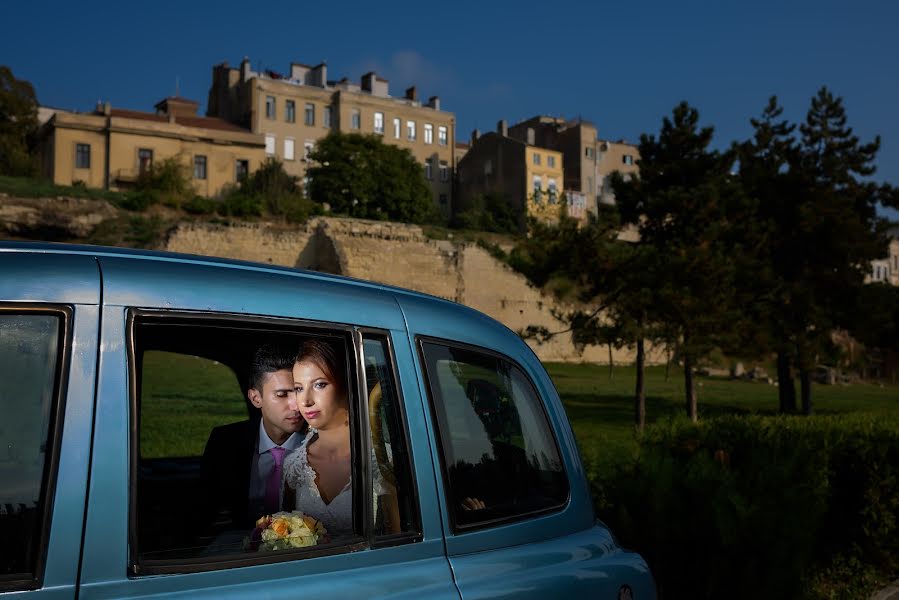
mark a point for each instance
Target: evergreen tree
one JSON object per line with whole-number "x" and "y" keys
{"x": 687, "y": 210}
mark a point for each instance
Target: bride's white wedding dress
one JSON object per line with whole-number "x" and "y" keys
{"x": 337, "y": 515}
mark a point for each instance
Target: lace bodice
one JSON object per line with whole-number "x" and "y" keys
{"x": 336, "y": 516}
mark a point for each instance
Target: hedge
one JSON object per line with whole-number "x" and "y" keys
{"x": 760, "y": 507}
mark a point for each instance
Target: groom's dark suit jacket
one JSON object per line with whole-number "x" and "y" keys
{"x": 225, "y": 473}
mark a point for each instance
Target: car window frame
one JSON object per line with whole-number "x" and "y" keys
{"x": 429, "y": 381}
{"x": 54, "y": 437}
{"x": 359, "y": 438}
{"x": 388, "y": 540}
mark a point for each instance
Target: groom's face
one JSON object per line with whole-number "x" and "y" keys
{"x": 278, "y": 402}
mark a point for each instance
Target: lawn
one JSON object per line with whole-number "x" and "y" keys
{"x": 601, "y": 409}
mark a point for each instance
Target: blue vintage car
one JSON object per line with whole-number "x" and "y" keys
{"x": 116, "y": 366}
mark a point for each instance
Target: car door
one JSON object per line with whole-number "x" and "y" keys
{"x": 516, "y": 506}
{"x": 49, "y": 309}
{"x": 159, "y": 316}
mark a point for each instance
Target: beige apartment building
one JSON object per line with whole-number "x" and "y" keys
{"x": 613, "y": 157}
{"x": 528, "y": 176}
{"x": 109, "y": 148}
{"x": 295, "y": 110}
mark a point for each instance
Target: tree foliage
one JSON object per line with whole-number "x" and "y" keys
{"x": 18, "y": 125}
{"x": 361, "y": 176}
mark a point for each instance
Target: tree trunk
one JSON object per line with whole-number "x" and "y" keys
{"x": 667, "y": 363}
{"x": 611, "y": 362}
{"x": 805, "y": 386}
{"x": 690, "y": 388}
{"x": 786, "y": 390}
{"x": 640, "y": 392}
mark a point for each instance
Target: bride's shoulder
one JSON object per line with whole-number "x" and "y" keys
{"x": 296, "y": 464}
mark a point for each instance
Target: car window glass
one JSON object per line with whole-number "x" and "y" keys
{"x": 30, "y": 357}
{"x": 394, "y": 497}
{"x": 500, "y": 459}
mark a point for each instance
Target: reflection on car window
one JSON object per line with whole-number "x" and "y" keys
{"x": 395, "y": 511}
{"x": 500, "y": 459}
{"x": 29, "y": 361}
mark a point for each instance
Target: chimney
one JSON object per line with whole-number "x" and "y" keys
{"x": 245, "y": 69}
{"x": 319, "y": 75}
{"x": 475, "y": 136}
{"x": 412, "y": 93}
{"x": 502, "y": 128}
{"x": 434, "y": 102}
{"x": 368, "y": 81}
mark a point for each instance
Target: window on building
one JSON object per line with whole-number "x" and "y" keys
{"x": 396, "y": 128}
{"x": 326, "y": 117}
{"x": 270, "y": 144}
{"x": 488, "y": 167}
{"x": 355, "y": 119}
{"x": 308, "y": 147}
{"x": 184, "y": 513}
{"x": 551, "y": 192}
{"x": 550, "y": 160}
{"x": 442, "y": 137}
{"x": 588, "y": 152}
{"x": 538, "y": 189}
{"x": 410, "y": 130}
{"x": 627, "y": 159}
{"x": 290, "y": 111}
{"x": 241, "y": 169}
{"x": 288, "y": 149}
{"x": 144, "y": 160}
{"x": 199, "y": 166}
{"x": 443, "y": 200}
{"x": 82, "y": 156}
{"x": 309, "y": 114}
{"x": 444, "y": 171}
{"x": 379, "y": 122}
{"x": 496, "y": 443}
{"x": 429, "y": 133}
{"x": 536, "y": 158}
{"x": 269, "y": 107}
{"x": 429, "y": 174}
{"x": 32, "y": 349}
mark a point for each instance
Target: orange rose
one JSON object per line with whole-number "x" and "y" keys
{"x": 281, "y": 527}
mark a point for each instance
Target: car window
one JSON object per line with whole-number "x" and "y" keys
{"x": 390, "y": 449}
{"x": 30, "y": 366}
{"x": 207, "y": 492}
{"x": 500, "y": 459}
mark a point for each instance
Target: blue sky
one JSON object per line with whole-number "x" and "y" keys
{"x": 622, "y": 65}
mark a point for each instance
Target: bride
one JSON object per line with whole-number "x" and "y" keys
{"x": 318, "y": 474}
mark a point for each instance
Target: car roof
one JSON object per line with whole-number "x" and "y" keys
{"x": 438, "y": 308}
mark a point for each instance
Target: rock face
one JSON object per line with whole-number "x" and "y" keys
{"x": 52, "y": 218}
{"x": 399, "y": 254}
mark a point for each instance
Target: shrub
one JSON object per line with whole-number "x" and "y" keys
{"x": 759, "y": 507}
{"x": 199, "y": 205}
{"x": 169, "y": 182}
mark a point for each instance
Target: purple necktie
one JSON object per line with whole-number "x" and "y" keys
{"x": 273, "y": 483}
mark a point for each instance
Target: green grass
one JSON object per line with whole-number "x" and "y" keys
{"x": 182, "y": 399}
{"x": 26, "y": 187}
{"x": 185, "y": 396}
{"x": 601, "y": 410}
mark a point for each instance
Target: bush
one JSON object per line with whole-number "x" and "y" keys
{"x": 759, "y": 507}
{"x": 269, "y": 190}
{"x": 168, "y": 181}
{"x": 199, "y": 205}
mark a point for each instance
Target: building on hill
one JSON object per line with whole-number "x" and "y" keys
{"x": 613, "y": 157}
{"x": 886, "y": 269}
{"x": 529, "y": 177}
{"x": 110, "y": 147}
{"x": 588, "y": 161}
{"x": 295, "y": 110}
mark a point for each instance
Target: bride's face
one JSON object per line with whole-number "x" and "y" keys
{"x": 320, "y": 401}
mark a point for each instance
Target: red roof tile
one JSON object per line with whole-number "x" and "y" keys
{"x": 199, "y": 122}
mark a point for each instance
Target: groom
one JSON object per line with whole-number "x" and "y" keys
{"x": 241, "y": 467}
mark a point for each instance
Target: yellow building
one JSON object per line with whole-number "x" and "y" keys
{"x": 529, "y": 177}
{"x": 109, "y": 148}
{"x": 295, "y": 110}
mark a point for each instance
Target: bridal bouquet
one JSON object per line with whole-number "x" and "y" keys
{"x": 285, "y": 530}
